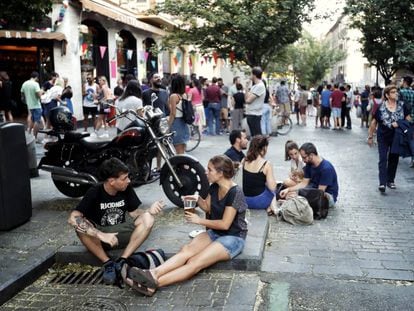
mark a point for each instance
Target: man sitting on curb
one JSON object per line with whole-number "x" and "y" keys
{"x": 319, "y": 174}
{"x": 100, "y": 222}
{"x": 238, "y": 141}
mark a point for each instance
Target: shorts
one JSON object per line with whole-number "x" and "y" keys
{"x": 224, "y": 113}
{"x": 261, "y": 201}
{"x": 124, "y": 230}
{"x": 47, "y": 107}
{"x": 284, "y": 108}
{"x": 336, "y": 112}
{"x": 318, "y": 111}
{"x": 182, "y": 132}
{"x": 233, "y": 244}
{"x": 325, "y": 112}
{"x": 89, "y": 111}
{"x": 36, "y": 114}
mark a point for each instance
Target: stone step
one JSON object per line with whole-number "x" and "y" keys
{"x": 173, "y": 235}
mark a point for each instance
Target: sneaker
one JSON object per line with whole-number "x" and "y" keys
{"x": 381, "y": 188}
{"x": 391, "y": 185}
{"x": 109, "y": 274}
{"x": 93, "y": 135}
{"x": 412, "y": 164}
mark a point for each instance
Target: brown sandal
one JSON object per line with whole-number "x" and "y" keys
{"x": 143, "y": 277}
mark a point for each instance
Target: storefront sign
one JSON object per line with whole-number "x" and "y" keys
{"x": 15, "y": 34}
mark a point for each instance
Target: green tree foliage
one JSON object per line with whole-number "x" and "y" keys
{"x": 309, "y": 59}
{"x": 387, "y": 33}
{"x": 22, "y": 14}
{"x": 253, "y": 30}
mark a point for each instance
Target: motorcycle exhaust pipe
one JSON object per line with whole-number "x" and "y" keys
{"x": 68, "y": 174}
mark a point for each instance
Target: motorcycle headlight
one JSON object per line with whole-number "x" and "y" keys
{"x": 163, "y": 126}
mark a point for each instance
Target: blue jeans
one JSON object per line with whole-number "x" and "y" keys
{"x": 261, "y": 201}
{"x": 233, "y": 244}
{"x": 265, "y": 122}
{"x": 214, "y": 116}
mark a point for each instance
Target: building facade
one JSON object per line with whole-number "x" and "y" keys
{"x": 355, "y": 68}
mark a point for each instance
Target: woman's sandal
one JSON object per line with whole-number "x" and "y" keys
{"x": 140, "y": 288}
{"x": 143, "y": 277}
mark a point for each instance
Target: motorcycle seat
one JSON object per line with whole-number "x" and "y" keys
{"x": 95, "y": 143}
{"x": 72, "y": 136}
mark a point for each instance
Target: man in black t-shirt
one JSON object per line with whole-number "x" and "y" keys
{"x": 100, "y": 218}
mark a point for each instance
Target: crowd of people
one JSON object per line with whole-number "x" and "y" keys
{"x": 220, "y": 108}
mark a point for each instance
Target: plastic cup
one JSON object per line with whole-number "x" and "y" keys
{"x": 189, "y": 204}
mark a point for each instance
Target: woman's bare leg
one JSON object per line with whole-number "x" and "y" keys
{"x": 215, "y": 252}
{"x": 189, "y": 250}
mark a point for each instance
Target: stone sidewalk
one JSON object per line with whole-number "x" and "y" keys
{"x": 368, "y": 235}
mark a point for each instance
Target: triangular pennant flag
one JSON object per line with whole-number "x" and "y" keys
{"x": 146, "y": 54}
{"x": 84, "y": 47}
{"x": 102, "y": 49}
{"x": 153, "y": 63}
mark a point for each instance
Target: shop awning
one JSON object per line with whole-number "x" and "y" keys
{"x": 119, "y": 14}
{"x": 20, "y": 34}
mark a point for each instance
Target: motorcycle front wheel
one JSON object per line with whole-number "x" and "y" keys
{"x": 71, "y": 189}
{"x": 193, "y": 178}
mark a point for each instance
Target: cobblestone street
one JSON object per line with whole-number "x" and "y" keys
{"x": 360, "y": 258}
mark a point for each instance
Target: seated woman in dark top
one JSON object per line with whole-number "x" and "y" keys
{"x": 259, "y": 184}
{"x": 224, "y": 239}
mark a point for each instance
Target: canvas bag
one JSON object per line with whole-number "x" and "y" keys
{"x": 297, "y": 211}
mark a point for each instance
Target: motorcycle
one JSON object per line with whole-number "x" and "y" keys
{"x": 74, "y": 158}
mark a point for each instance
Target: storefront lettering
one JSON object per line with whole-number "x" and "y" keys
{"x": 18, "y": 35}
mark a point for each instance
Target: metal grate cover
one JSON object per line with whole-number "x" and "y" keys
{"x": 79, "y": 278}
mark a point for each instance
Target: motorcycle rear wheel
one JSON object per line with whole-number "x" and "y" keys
{"x": 70, "y": 189}
{"x": 194, "y": 179}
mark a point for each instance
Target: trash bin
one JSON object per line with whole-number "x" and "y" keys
{"x": 31, "y": 155}
{"x": 15, "y": 193}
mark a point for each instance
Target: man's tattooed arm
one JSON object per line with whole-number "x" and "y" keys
{"x": 84, "y": 226}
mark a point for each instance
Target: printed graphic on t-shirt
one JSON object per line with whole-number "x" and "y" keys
{"x": 113, "y": 214}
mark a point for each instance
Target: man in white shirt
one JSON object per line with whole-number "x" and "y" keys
{"x": 255, "y": 100}
{"x": 89, "y": 102}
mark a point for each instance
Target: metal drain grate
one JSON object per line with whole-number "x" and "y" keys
{"x": 79, "y": 278}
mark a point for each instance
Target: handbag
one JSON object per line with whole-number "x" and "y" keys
{"x": 317, "y": 200}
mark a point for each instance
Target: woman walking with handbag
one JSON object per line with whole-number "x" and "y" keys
{"x": 386, "y": 120}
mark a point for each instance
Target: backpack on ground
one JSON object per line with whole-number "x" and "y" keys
{"x": 297, "y": 211}
{"x": 187, "y": 110}
{"x": 147, "y": 260}
{"x": 317, "y": 200}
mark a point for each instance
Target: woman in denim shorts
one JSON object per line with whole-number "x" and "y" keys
{"x": 224, "y": 239}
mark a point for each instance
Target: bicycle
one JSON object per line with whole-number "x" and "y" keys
{"x": 195, "y": 138}
{"x": 281, "y": 123}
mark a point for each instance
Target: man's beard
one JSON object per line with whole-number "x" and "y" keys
{"x": 157, "y": 84}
